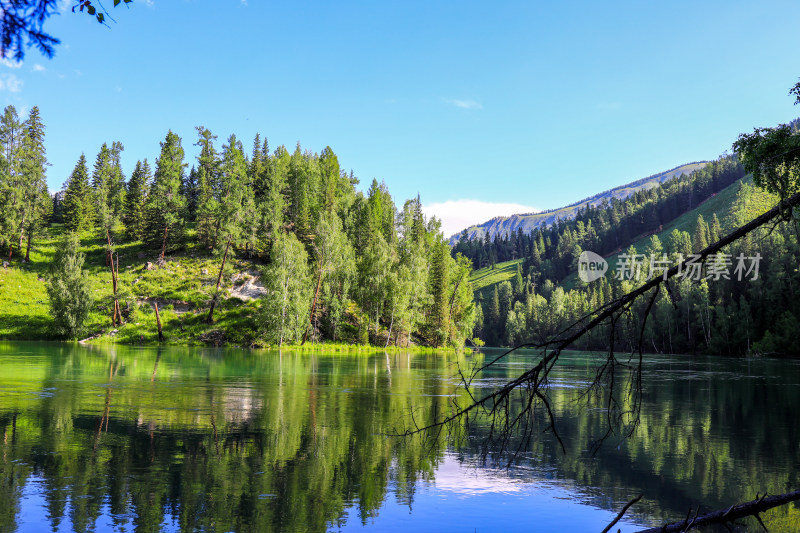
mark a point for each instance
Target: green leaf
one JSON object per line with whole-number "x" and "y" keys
{"x": 91, "y": 10}
{"x": 116, "y": 2}
{"x": 100, "y": 18}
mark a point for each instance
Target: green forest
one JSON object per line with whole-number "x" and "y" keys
{"x": 267, "y": 248}
{"x": 277, "y": 248}
{"x": 536, "y": 293}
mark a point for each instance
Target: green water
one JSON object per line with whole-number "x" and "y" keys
{"x": 128, "y": 439}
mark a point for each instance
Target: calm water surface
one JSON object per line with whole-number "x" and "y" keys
{"x": 130, "y": 439}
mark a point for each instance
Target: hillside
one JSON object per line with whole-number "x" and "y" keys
{"x": 721, "y": 204}
{"x": 529, "y": 221}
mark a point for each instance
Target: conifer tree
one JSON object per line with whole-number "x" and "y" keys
{"x": 12, "y": 190}
{"x": 236, "y": 205}
{"x": 108, "y": 183}
{"x": 207, "y": 185}
{"x": 274, "y": 207}
{"x": 79, "y": 206}
{"x": 136, "y": 199}
{"x": 165, "y": 205}
{"x": 700, "y": 239}
{"x": 189, "y": 190}
{"x": 715, "y": 229}
{"x": 36, "y": 201}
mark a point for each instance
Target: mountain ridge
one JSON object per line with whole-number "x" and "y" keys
{"x": 529, "y": 221}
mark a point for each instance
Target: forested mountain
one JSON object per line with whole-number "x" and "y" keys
{"x": 741, "y": 302}
{"x": 336, "y": 263}
{"x": 530, "y": 221}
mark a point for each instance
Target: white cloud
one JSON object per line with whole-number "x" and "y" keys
{"x": 38, "y": 68}
{"x": 457, "y": 215}
{"x": 10, "y": 63}
{"x": 463, "y": 103}
{"x": 11, "y": 83}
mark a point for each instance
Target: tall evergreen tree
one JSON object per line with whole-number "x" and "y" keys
{"x": 12, "y": 189}
{"x": 236, "y": 204}
{"x": 108, "y": 184}
{"x": 207, "y": 186}
{"x": 165, "y": 205}
{"x": 136, "y": 200}
{"x": 189, "y": 190}
{"x": 79, "y": 206}
{"x": 700, "y": 239}
{"x": 36, "y": 202}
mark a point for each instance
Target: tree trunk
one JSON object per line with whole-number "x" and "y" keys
{"x": 391, "y": 323}
{"x": 21, "y": 233}
{"x": 109, "y": 253}
{"x": 158, "y": 323}
{"x": 164, "y": 244}
{"x": 314, "y": 302}
{"x": 28, "y": 246}
{"x": 210, "y": 318}
{"x": 114, "y": 276}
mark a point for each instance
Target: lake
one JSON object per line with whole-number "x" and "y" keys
{"x": 174, "y": 439}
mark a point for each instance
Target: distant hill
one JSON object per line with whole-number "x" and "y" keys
{"x": 529, "y": 221}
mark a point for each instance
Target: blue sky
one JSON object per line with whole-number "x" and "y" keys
{"x": 481, "y": 108}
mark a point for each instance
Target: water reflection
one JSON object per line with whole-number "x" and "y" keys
{"x": 188, "y": 439}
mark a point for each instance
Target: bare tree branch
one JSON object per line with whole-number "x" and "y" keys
{"x": 742, "y": 510}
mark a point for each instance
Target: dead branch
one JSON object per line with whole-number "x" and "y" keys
{"x": 726, "y": 516}
{"x": 622, "y": 513}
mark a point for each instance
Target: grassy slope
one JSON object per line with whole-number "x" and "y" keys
{"x": 719, "y": 204}
{"x": 485, "y": 278}
{"x": 181, "y": 287}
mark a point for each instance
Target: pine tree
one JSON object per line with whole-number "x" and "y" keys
{"x": 700, "y": 239}
{"x": 165, "y": 205}
{"x": 136, "y": 199}
{"x": 207, "y": 185}
{"x": 189, "y": 190}
{"x": 714, "y": 230}
{"x": 79, "y": 206}
{"x": 329, "y": 178}
{"x": 36, "y": 201}
{"x": 274, "y": 207}
{"x": 12, "y": 190}
{"x": 236, "y": 205}
{"x": 108, "y": 184}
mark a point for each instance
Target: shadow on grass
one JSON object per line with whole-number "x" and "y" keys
{"x": 31, "y": 328}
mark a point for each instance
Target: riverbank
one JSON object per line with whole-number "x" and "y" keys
{"x": 181, "y": 286}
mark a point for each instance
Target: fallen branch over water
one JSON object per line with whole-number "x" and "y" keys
{"x": 725, "y": 516}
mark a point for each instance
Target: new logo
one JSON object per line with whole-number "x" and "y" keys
{"x": 591, "y": 266}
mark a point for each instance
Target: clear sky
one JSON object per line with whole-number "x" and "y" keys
{"x": 528, "y": 104}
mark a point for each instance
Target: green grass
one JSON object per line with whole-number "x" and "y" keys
{"x": 183, "y": 288}
{"x": 485, "y": 278}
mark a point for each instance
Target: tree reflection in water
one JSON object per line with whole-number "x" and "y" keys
{"x": 230, "y": 440}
